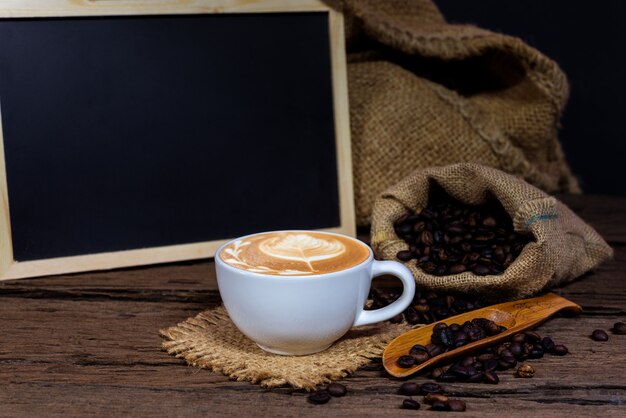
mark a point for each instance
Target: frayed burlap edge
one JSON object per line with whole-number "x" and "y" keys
{"x": 211, "y": 341}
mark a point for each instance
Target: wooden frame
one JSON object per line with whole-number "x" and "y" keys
{"x": 12, "y": 269}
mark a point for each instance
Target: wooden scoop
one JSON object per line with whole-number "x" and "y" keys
{"x": 516, "y": 316}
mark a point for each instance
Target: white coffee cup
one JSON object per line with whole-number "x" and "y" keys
{"x": 298, "y": 315}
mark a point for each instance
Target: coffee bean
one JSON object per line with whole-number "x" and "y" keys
{"x": 491, "y": 377}
{"x": 492, "y": 328}
{"x": 410, "y": 404}
{"x": 560, "y": 350}
{"x": 419, "y": 226}
{"x": 404, "y": 255}
{"x": 439, "y": 326}
{"x": 456, "y": 269}
{"x": 443, "y": 336}
{"x": 420, "y": 357}
{"x": 505, "y": 365}
{"x": 435, "y": 373}
{"x": 532, "y": 336}
{"x": 426, "y": 238}
{"x": 416, "y": 348}
{"x": 336, "y": 389}
{"x": 440, "y": 271}
{"x": 409, "y": 389}
{"x": 431, "y": 388}
{"x": 517, "y": 350}
{"x": 476, "y": 334}
{"x": 411, "y": 315}
{"x": 481, "y": 270}
{"x": 456, "y": 405}
{"x": 485, "y": 357}
{"x": 460, "y": 338}
{"x": 599, "y": 335}
{"x": 477, "y": 378}
{"x": 519, "y": 338}
{"x": 619, "y": 328}
{"x": 435, "y": 350}
{"x": 440, "y": 406}
{"x": 319, "y": 397}
{"x": 468, "y": 361}
{"x": 459, "y": 370}
{"x": 525, "y": 371}
{"x": 405, "y": 362}
{"x": 435, "y": 397}
{"x": 447, "y": 377}
{"x": 548, "y": 344}
{"x": 396, "y": 319}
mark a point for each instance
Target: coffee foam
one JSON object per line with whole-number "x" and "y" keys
{"x": 294, "y": 253}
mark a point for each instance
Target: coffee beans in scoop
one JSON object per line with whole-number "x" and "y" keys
{"x": 482, "y": 367}
{"x": 449, "y": 237}
{"x": 448, "y": 337}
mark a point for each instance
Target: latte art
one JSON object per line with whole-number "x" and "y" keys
{"x": 294, "y": 253}
{"x": 302, "y": 247}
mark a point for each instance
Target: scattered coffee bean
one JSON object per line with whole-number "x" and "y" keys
{"x": 548, "y": 344}
{"x": 406, "y": 361}
{"x": 410, "y": 404}
{"x": 435, "y": 373}
{"x": 410, "y": 389}
{"x": 560, "y": 350}
{"x": 431, "y": 388}
{"x": 450, "y": 237}
{"x": 440, "y": 406}
{"x": 619, "y": 328}
{"x": 532, "y": 336}
{"x": 456, "y": 405}
{"x": 435, "y": 397}
{"x": 491, "y": 377}
{"x": 319, "y": 397}
{"x": 336, "y": 389}
{"x": 599, "y": 335}
{"x": 525, "y": 370}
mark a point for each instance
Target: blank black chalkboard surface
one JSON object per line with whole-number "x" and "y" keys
{"x": 138, "y": 132}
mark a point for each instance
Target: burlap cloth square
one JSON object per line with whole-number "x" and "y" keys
{"x": 211, "y": 341}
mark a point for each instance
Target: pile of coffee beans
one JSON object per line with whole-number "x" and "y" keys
{"x": 448, "y": 337}
{"x": 427, "y": 307}
{"x": 450, "y": 237}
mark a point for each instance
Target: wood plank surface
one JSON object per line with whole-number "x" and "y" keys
{"x": 88, "y": 345}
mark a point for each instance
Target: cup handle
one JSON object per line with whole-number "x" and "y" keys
{"x": 408, "y": 283}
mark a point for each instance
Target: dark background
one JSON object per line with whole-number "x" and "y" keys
{"x": 588, "y": 41}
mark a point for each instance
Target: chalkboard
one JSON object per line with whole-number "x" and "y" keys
{"x": 156, "y": 137}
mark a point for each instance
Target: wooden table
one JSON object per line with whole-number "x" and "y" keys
{"x": 88, "y": 344}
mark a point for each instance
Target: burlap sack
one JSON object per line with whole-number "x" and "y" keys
{"x": 425, "y": 93}
{"x": 565, "y": 247}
